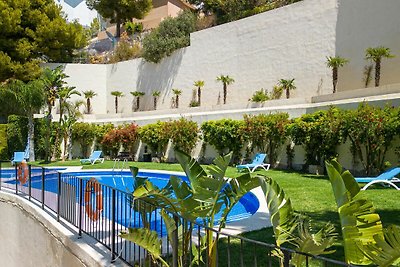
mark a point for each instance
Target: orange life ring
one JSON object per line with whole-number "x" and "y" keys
{"x": 23, "y": 172}
{"x": 92, "y": 186}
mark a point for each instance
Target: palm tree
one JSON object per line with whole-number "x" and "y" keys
{"x": 287, "y": 86}
{"x": 177, "y": 93}
{"x": 89, "y": 94}
{"x": 137, "y": 95}
{"x": 199, "y": 84}
{"x": 53, "y": 81}
{"x": 64, "y": 94}
{"x": 226, "y": 80}
{"x": 335, "y": 63}
{"x": 30, "y": 98}
{"x": 116, "y": 94}
{"x": 155, "y": 95}
{"x": 72, "y": 115}
{"x": 376, "y": 54}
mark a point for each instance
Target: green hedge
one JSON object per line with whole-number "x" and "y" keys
{"x": 3, "y": 142}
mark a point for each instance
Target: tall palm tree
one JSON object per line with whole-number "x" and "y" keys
{"x": 156, "y": 95}
{"x": 335, "y": 63}
{"x": 89, "y": 94}
{"x": 226, "y": 80}
{"x": 199, "y": 84}
{"x": 117, "y": 94}
{"x": 137, "y": 96}
{"x": 30, "y": 98}
{"x": 287, "y": 86}
{"x": 53, "y": 81}
{"x": 64, "y": 94}
{"x": 177, "y": 93}
{"x": 376, "y": 54}
{"x": 72, "y": 115}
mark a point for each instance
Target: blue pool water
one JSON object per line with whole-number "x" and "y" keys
{"x": 123, "y": 181}
{"x": 247, "y": 205}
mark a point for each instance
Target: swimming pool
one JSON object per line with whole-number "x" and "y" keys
{"x": 123, "y": 181}
{"x": 246, "y": 207}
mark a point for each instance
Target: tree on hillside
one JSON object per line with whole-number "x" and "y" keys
{"x": 199, "y": 84}
{"x": 30, "y": 98}
{"x": 119, "y": 11}
{"x": 287, "y": 86}
{"x": 33, "y": 32}
{"x": 335, "y": 63}
{"x": 89, "y": 94}
{"x": 376, "y": 54}
{"x": 226, "y": 80}
{"x": 116, "y": 94}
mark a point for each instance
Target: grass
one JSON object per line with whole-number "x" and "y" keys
{"x": 310, "y": 194}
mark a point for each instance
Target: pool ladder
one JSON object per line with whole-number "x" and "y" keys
{"x": 118, "y": 164}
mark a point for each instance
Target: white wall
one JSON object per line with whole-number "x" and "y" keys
{"x": 362, "y": 24}
{"x": 289, "y": 42}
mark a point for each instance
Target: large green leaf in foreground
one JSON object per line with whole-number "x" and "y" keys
{"x": 361, "y": 225}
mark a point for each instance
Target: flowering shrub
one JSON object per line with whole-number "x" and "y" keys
{"x": 124, "y": 136}
{"x": 184, "y": 134}
{"x": 266, "y": 133}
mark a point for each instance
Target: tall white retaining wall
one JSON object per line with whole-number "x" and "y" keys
{"x": 289, "y": 42}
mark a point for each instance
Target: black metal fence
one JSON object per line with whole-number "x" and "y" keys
{"x": 103, "y": 212}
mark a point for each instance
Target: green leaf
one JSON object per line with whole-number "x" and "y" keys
{"x": 360, "y": 223}
{"x": 386, "y": 252}
{"x": 147, "y": 239}
{"x": 191, "y": 167}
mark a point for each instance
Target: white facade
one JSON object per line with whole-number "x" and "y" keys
{"x": 77, "y": 10}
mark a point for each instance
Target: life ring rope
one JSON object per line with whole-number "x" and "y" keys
{"x": 23, "y": 172}
{"x": 93, "y": 187}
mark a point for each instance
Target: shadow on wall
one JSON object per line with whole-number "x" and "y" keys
{"x": 159, "y": 77}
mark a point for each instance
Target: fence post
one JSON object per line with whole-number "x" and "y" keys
{"x": 43, "y": 174}
{"x": 80, "y": 206}
{"x": 0, "y": 174}
{"x": 286, "y": 258}
{"x": 58, "y": 196}
{"x": 175, "y": 243}
{"x": 113, "y": 224}
{"x": 16, "y": 179}
{"x": 29, "y": 181}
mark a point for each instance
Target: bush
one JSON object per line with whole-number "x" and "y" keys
{"x": 266, "y": 133}
{"x": 156, "y": 136}
{"x": 184, "y": 134}
{"x": 84, "y": 134}
{"x": 128, "y": 135}
{"x": 260, "y": 96}
{"x": 100, "y": 132}
{"x": 277, "y": 92}
{"x": 320, "y": 133}
{"x": 125, "y": 50}
{"x": 17, "y": 133}
{"x": 171, "y": 34}
{"x": 3, "y": 142}
{"x": 224, "y": 135}
{"x": 371, "y": 131}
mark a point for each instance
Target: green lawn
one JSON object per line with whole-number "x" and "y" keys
{"x": 310, "y": 194}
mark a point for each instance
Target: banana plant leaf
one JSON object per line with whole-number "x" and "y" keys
{"x": 147, "y": 239}
{"x": 386, "y": 252}
{"x": 361, "y": 225}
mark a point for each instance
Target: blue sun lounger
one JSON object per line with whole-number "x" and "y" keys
{"x": 385, "y": 178}
{"x": 93, "y": 158}
{"x": 258, "y": 162}
{"x": 18, "y": 157}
